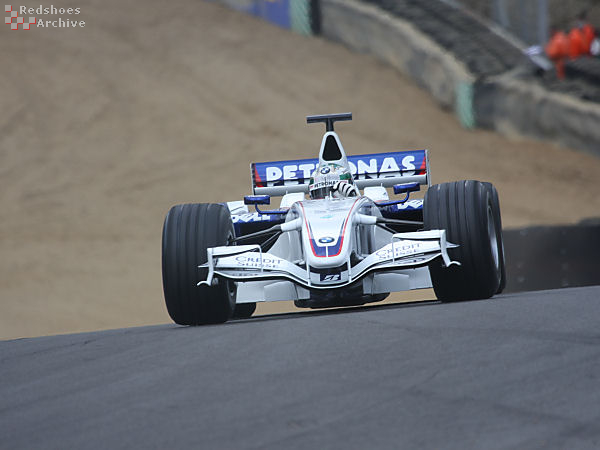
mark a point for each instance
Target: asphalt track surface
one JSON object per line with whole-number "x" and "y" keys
{"x": 518, "y": 371}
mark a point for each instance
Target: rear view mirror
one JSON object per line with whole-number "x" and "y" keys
{"x": 257, "y": 200}
{"x": 406, "y": 188}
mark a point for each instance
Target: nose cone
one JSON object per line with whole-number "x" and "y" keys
{"x": 326, "y": 231}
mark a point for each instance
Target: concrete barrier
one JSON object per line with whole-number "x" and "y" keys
{"x": 511, "y": 106}
{"x": 368, "y": 29}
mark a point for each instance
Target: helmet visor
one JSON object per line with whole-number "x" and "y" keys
{"x": 320, "y": 193}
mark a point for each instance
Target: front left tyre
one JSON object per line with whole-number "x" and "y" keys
{"x": 188, "y": 231}
{"x": 469, "y": 211}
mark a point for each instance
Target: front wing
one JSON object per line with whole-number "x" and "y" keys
{"x": 247, "y": 263}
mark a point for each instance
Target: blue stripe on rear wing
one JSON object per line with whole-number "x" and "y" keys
{"x": 376, "y": 169}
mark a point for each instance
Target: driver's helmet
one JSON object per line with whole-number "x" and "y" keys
{"x": 326, "y": 178}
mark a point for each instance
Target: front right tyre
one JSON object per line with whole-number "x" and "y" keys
{"x": 187, "y": 232}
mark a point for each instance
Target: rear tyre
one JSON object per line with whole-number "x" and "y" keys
{"x": 244, "y": 310}
{"x": 469, "y": 212}
{"x": 187, "y": 232}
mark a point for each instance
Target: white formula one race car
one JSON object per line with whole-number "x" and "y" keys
{"x": 338, "y": 248}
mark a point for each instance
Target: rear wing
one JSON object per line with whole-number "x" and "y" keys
{"x": 377, "y": 169}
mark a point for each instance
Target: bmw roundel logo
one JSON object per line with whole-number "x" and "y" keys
{"x": 326, "y": 240}
{"x": 325, "y": 170}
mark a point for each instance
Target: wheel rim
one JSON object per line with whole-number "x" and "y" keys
{"x": 493, "y": 237}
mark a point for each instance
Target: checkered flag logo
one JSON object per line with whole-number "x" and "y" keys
{"x": 14, "y": 20}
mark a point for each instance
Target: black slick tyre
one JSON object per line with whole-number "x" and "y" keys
{"x": 187, "y": 232}
{"x": 469, "y": 212}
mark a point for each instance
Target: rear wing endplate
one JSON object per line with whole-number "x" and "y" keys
{"x": 378, "y": 169}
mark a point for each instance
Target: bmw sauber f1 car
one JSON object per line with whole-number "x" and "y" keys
{"x": 346, "y": 243}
